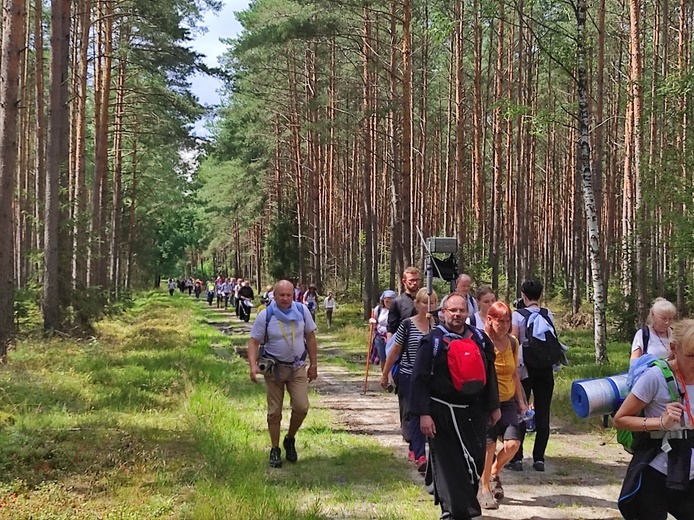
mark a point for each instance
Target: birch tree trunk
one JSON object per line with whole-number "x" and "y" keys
{"x": 592, "y": 219}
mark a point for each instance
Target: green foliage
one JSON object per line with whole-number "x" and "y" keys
{"x": 283, "y": 248}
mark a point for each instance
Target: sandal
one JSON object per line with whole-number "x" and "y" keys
{"x": 487, "y": 501}
{"x": 497, "y": 490}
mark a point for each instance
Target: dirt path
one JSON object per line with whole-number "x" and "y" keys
{"x": 583, "y": 482}
{"x": 583, "y": 474}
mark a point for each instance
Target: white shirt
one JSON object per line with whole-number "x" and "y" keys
{"x": 652, "y": 388}
{"x": 285, "y": 341}
{"x": 657, "y": 346}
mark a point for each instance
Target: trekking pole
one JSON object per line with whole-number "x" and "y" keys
{"x": 368, "y": 355}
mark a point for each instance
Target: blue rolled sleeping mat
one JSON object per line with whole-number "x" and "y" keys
{"x": 600, "y": 396}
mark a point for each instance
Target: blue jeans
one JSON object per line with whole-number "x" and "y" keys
{"x": 410, "y": 423}
{"x": 380, "y": 344}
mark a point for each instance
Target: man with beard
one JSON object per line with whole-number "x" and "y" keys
{"x": 455, "y": 394}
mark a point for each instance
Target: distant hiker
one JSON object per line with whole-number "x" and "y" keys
{"x": 654, "y": 337}
{"x": 267, "y": 296}
{"x": 197, "y": 288}
{"x": 462, "y": 287}
{"x": 403, "y": 307}
{"x": 189, "y": 285}
{"x": 310, "y": 299}
{"x": 210, "y": 292}
{"x": 455, "y": 394}
{"x": 512, "y": 398}
{"x": 289, "y": 339}
{"x": 379, "y": 318}
{"x": 404, "y": 351}
{"x": 226, "y": 291}
{"x": 245, "y": 295}
{"x": 485, "y": 297}
{"x": 219, "y": 291}
{"x": 329, "y": 306}
{"x": 172, "y": 286}
{"x": 537, "y": 381}
{"x": 659, "y": 478}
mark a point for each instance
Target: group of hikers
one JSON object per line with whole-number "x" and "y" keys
{"x": 471, "y": 374}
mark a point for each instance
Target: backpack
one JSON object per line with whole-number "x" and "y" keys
{"x": 466, "y": 361}
{"x": 538, "y": 353}
{"x": 473, "y": 320}
{"x": 645, "y": 337}
{"x": 626, "y": 437}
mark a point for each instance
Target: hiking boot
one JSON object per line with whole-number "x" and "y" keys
{"x": 276, "y": 458}
{"x": 422, "y": 465}
{"x": 290, "y": 449}
{"x": 487, "y": 501}
{"x": 539, "y": 465}
{"x": 497, "y": 490}
{"x": 515, "y": 465}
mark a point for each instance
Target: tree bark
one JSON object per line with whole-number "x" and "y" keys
{"x": 56, "y": 284}
{"x": 12, "y": 43}
{"x": 592, "y": 217}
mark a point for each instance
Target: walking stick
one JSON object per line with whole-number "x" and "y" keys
{"x": 368, "y": 355}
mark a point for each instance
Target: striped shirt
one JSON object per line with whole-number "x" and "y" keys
{"x": 409, "y": 350}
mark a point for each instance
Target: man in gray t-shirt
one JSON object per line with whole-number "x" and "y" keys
{"x": 289, "y": 339}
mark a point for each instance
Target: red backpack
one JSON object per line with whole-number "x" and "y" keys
{"x": 466, "y": 365}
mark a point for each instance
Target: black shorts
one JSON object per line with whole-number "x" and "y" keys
{"x": 507, "y": 427}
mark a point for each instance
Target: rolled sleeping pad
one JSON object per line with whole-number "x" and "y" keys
{"x": 600, "y": 396}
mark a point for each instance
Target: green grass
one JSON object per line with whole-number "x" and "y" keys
{"x": 145, "y": 421}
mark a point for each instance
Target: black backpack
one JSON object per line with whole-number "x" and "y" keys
{"x": 539, "y": 353}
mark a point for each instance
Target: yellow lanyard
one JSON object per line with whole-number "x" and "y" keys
{"x": 284, "y": 335}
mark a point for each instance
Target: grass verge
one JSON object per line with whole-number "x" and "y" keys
{"x": 148, "y": 420}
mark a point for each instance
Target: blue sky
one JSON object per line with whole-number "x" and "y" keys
{"x": 219, "y": 25}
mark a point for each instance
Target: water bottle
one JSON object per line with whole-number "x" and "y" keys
{"x": 529, "y": 418}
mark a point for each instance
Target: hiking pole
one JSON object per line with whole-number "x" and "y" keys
{"x": 368, "y": 355}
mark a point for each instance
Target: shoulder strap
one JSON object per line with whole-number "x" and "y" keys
{"x": 514, "y": 343}
{"x": 669, "y": 379}
{"x": 645, "y": 338}
{"x": 478, "y": 337}
{"x": 408, "y": 327}
{"x": 545, "y": 314}
{"x": 268, "y": 316}
{"x": 473, "y": 320}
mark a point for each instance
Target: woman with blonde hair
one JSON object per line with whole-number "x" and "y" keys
{"x": 655, "y": 337}
{"x": 659, "y": 479}
{"x": 407, "y": 338}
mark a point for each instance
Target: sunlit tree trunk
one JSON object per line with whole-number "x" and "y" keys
{"x": 12, "y": 43}
{"x": 592, "y": 218}
{"x": 56, "y": 285}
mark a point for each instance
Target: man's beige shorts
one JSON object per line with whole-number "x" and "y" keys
{"x": 295, "y": 380}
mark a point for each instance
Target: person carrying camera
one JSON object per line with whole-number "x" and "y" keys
{"x": 289, "y": 338}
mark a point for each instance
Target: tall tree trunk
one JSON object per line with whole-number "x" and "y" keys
{"x": 12, "y": 47}
{"x": 636, "y": 98}
{"x": 57, "y": 273}
{"x": 497, "y": 207}
{"x": 367, "y": 114}
{"x": 592, "y": 219}
{"x": 407, "y": 131}
{"x": 80, "y": 235}
{"x": 117, "y": 210}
